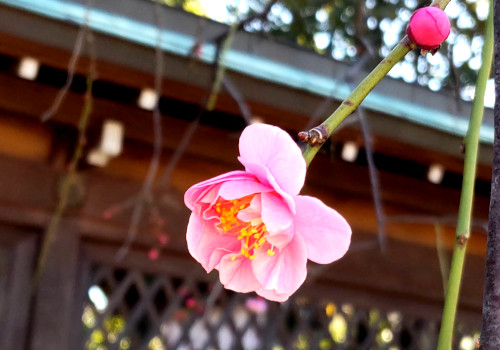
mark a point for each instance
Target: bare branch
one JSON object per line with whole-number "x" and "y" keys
{"x": 68, "y": 179}
{"x": 146, "y": 194}
{"x": 75, "y": 55}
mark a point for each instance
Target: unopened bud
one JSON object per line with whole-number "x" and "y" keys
{"x": 428, "y": 27}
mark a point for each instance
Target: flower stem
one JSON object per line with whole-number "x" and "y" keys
{"x": 467, "y": 195}
{"x": 352, "y": 102}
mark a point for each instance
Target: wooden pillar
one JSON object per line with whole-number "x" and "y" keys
{"x": 17, "y": 251}
{"x": 56, "y": 296}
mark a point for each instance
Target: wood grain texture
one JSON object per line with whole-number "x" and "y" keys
{"x": 490, "y": 332}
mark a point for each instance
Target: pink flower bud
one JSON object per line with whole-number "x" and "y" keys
{"x": 153, "y": 254}
{"x": 163, "y": 239}
{"x": 428, "y": 27}
{"x": 190, "y": 303}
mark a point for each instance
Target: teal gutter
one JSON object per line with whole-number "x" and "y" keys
{"x": 242, "y": 62}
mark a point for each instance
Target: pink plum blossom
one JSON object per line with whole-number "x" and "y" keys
{"x": 153, "y": 254}
{"x": 428, "y": 27}
{"x": 254, "y": 227}
{"x": 256, "y": 305}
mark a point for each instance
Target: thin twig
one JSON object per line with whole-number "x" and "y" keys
{"x": 69, "y": 178}
{"x": 219, "y": 75}
{"x": 164, "y": 179}
{"x": 321, "y": 109}
{"x": 208, "y": 105}
{"x": 352, "y": 102}
{"x": 365, "y": 130}
{"x": 154, "y": 164}
{"x": 241, "y": 25}
{"x": 221, "y": 67}
{"x": 235, "y": 93}
{"x": 374, "y": 179}
{"x": 75, "y": 55}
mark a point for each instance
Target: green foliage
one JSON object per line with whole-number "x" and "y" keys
{"x": 348, "y": 29}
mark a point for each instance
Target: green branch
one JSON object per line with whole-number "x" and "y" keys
{"x": 352, "y": 102}
{"x": 349, "y": 105}
{"x": 467, "y": 195}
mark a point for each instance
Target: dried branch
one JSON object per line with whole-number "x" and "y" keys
{"x": 374, "y": 179}
{"x": 235, "y": 93}
{"x": 220, "y": 67}
{"x": 241, "y": 25}
{"x": 208, "y": 105}
{"x": 146, "y": 194}
{"x": 75, "y": 55}
{"x": 69, "y": 178}
{"x": 164, "y": 178}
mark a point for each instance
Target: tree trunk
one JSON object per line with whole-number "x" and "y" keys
{"x": 490, "y": 333}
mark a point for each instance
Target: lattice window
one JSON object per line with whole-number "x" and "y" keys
{"x": 130, "y": 309}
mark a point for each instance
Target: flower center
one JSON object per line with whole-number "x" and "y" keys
{"x": 251, "y": 233}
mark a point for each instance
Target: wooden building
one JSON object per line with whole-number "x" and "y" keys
{"x": 386, "y": 293}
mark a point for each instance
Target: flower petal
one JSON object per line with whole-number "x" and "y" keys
{"x": 277, "y": 218}
{"x": 203, "y": 242}
{"x": 326, "y": 233}
{"x": 199, "y": 190}
{"x": 254, "y": 211}
{"x": 272, "y": 295}
{"x": 267, "y": 178}
{"x": 274, "y": 149}
{"x": 193, "y": 235}
{"x": 285, "y": 271}
{"x": 237, "y": 274}
{"x": 234, "y": 189}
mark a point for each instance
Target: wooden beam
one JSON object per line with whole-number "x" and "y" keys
{"x": 137, "y": 79}
{"x": 216, "y": 144}
{"x": 385, "y": 141}
{"x": 21, "y": 138}
{"x": 387, "y": 146}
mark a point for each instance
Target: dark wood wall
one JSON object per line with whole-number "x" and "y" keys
{"x": 33, "y": 157}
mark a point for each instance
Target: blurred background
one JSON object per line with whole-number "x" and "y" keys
{"x": 111, "y": 109}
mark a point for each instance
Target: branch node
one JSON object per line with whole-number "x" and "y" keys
{"x": 462, "y": 240}
{"x": 314, "y": 137}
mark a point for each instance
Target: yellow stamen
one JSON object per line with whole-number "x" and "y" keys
{"x": 271, "y": 252}
{"x": 252, "y": 234}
